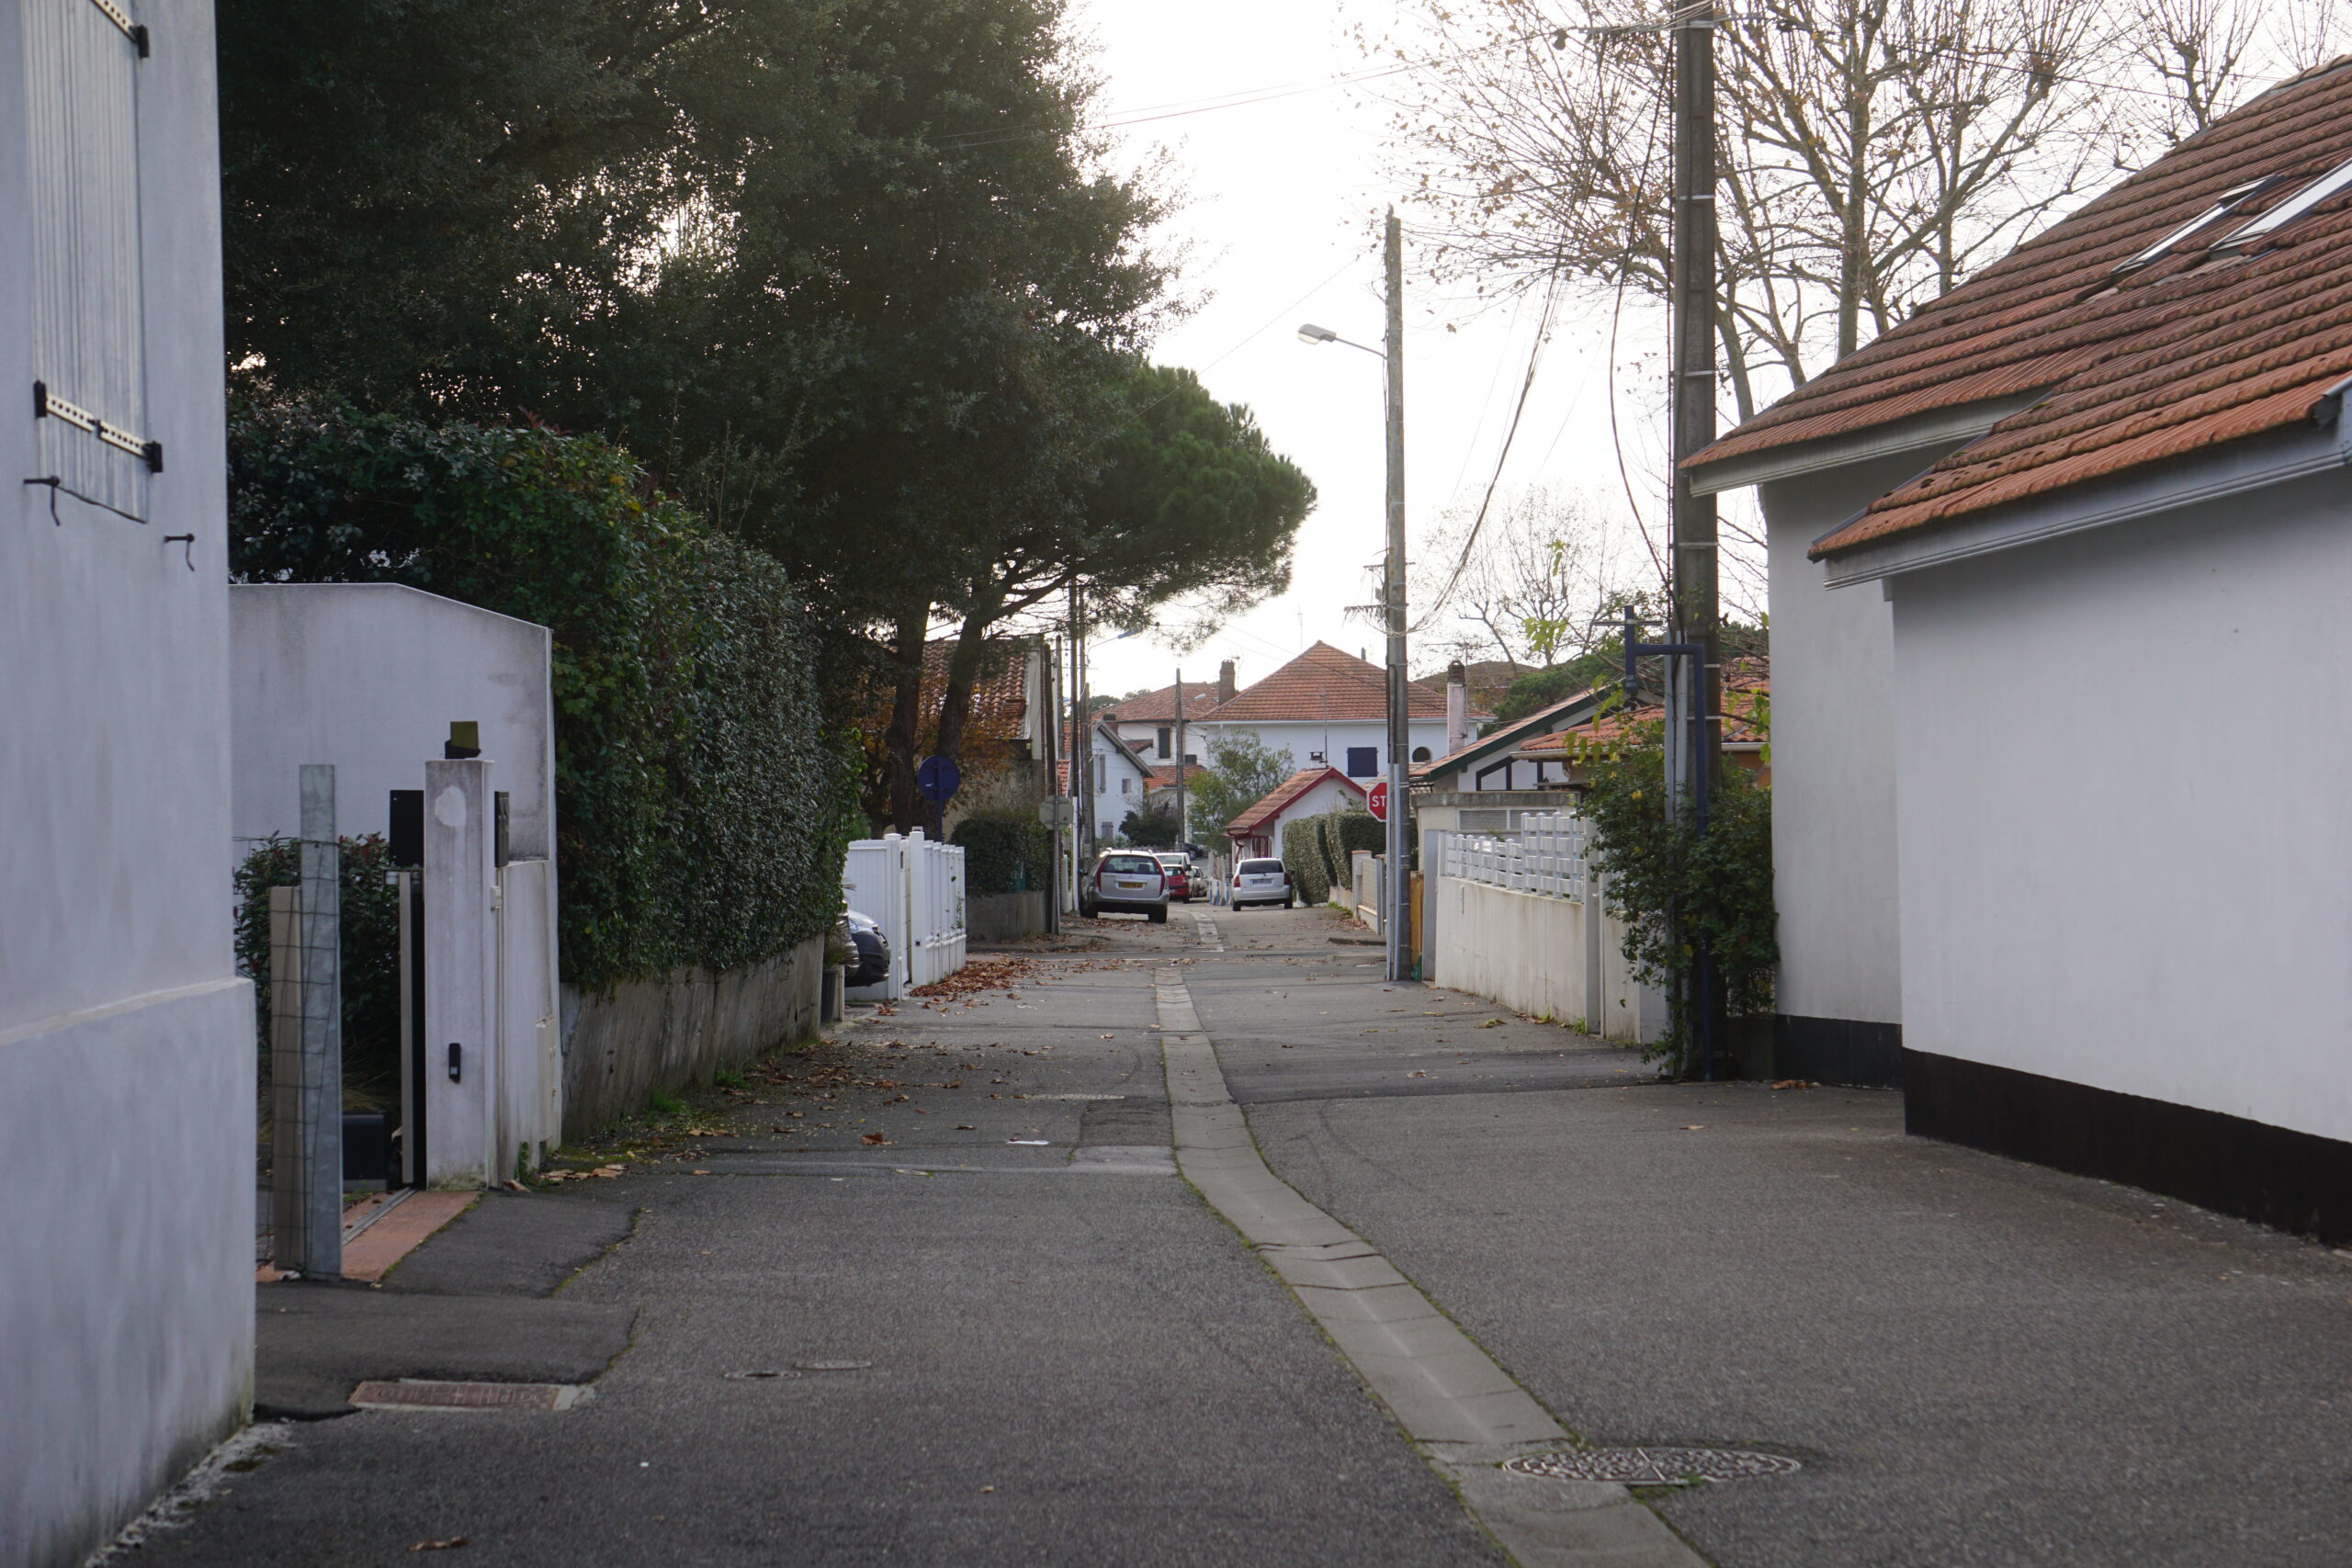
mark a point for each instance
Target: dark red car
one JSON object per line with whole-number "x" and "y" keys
{"x": 1179, "y": 871}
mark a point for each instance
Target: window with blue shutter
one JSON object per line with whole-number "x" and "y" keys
{"x": 89, "y": 394}
{"x": 1363, "y": 761}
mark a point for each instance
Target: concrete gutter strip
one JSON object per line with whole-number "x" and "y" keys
{"x": 1463, "y": 1413}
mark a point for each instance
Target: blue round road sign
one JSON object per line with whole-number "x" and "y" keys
{"x": 938, "y": 779}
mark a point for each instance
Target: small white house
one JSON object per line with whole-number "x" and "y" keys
{"x": 126, "y": 1048}
{"x": 1310, "y": 791}
{"x": 2118, "y": 959}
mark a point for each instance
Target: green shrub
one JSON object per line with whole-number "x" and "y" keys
{"x": 370, "y": 952}
{"x": 1004, "y": 853}
{"x": 1344, "y": 833}
{"x": 1672, "y": 887}
{"x": 1310, "y": 876}
{"x": 699, "y": 803}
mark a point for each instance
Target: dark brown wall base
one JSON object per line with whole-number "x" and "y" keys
{"x": 1831, "y": 1050}
{"x": 2294, "y": 1181}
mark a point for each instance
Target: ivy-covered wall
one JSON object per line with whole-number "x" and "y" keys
{"x": 699, "y": 801}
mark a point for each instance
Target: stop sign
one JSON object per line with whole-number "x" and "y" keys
{"x": 1378, "y": 800}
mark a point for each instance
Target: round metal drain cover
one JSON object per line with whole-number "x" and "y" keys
{"x": 832, "y": 1366}
{"x": 1651, "y": 1467}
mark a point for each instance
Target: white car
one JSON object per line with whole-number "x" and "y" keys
{"x": 1263, "y": 882}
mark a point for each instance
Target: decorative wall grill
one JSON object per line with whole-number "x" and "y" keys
{"x": 1547, "y": 856}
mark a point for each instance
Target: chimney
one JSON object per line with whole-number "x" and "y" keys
{"x": 1224, "y": 687}
{"x": 1458, "y": 708}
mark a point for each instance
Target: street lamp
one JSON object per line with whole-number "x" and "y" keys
{"x": 1396, "y": 918}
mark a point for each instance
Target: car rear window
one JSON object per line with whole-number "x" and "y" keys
{"x": 1260, "y": 867}
{"x": 1131, "y": 864}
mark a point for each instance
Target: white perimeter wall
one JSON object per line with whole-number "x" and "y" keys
{"x": 1528, "y": 951}
{"x": 369, "y": 676}
{"x": 1833, "y": 759}
{"x": 126, "y": 1048}
{"x": 2126, "y": 772}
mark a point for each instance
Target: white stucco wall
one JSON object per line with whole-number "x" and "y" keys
{"x": 369, "y": 676}
{"x": 127, "y": 1050}
{"x": 1302, "y": 740}
{"x": 2125, "y": 764}
{"x": 1833, "y": 759}
{"x": 1532, "y": 952}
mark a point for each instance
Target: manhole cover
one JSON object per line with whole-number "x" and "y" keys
{"x": 755, "y": 1376}
{"x": 424, "y": 1394}
{"x": 832, "y": 1366}
{"x": 1651, "y": 1467}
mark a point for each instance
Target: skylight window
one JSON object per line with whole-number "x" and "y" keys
{"x": 2332, "y": 182}
{"x": 2229, "y": 201}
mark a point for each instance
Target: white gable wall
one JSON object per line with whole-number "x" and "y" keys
{"x": 1303, "y": 740}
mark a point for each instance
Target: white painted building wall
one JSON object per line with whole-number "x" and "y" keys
{"x": 1120, "y": 786}
{"x": 127, "y": 1047}
{"x": 1305, "y": 741}
{"x": 2125, "y": 763}
{"x": 1833, "y": 759}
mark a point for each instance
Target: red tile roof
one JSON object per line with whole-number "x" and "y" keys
{"x": 2197, "y": 349}
{"x": 1283, "y": 796}
{"x": 1744, "y": 696}
{"x": 1325, "y": 684}
{"x": 1159, "y": 707}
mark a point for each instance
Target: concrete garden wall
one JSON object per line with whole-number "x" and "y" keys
{"x": 622, "y": 1045}
{"x": 1533, "y": 954}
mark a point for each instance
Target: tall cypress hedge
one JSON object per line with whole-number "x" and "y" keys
{"x": 1310, "y": 875}
{"x": 698, "y": 798}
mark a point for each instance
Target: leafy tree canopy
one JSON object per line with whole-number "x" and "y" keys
{"x": 1242, "y": 770}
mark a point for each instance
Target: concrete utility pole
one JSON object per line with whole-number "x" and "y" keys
{"x": 1697, "y": 617}
{"x": 1184, "y": 822}
{"x": 1396, "y": 919}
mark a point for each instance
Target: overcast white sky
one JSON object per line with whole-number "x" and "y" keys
{"x": 1284, "y": 198}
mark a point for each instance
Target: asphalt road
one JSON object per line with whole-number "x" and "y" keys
{"x": 1065, "y": 1358}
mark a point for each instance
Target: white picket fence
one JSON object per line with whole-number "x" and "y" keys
{"x": 1546, "y": 856}
{"x": 914, "y": 888}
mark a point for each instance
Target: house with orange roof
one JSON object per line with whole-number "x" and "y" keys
{"x": 2106, "y": 481}
{"x": 1330, "y": 708}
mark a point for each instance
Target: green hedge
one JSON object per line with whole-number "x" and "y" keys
{"x": 699, "y": 800}
{"x": 1004, "y": 853}
{"x": 1344, "y": 833}
{"x": 1303, "y": 858}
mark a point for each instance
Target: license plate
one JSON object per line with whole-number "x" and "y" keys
{"x": 1130, "y": 886}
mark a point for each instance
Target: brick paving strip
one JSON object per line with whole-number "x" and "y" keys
{"x": 398, "y": 1229}
{"x": 1463, "y": 1413}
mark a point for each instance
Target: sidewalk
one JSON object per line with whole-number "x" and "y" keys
{"x": 1057, "y": 1355}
